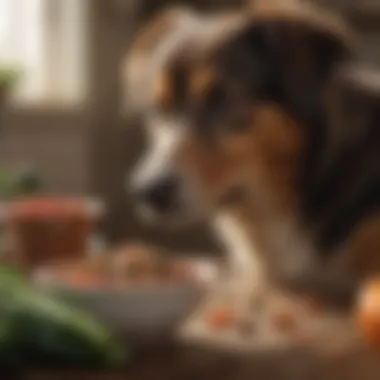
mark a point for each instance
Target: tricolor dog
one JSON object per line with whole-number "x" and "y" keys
{"x": 258, "y": 122}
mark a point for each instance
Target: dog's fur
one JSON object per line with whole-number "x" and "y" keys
{"x": 274, "y": 136}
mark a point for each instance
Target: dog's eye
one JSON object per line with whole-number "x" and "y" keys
{"x": 216, "y": 107}
{"x": 239, "y": 118}
{"x": 222, "y": 111}
{"x": 216, "y": 99}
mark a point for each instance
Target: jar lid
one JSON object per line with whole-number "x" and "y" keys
{"x": 51, "y": 207}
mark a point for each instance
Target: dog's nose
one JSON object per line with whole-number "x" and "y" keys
{"x": 160, "y": 195}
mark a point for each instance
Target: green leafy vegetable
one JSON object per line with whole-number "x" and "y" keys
{"x": 38, "y": 328}
{"x": 9, "y": 75}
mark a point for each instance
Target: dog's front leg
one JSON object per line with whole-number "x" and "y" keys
{"x": 247, "y": 282}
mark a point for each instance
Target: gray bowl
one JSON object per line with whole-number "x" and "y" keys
{"x": 142, "y": 312}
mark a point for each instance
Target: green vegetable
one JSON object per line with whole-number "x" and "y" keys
{"x": 40, "y": 329}
{"x": 9, "y": 273}
{"x": 9, "y": 75}
{"x": 27, "y": 182}
{"x": 9, "y": 355}
{"x": 19, "y": 183}
{"x": 6, "y": 184}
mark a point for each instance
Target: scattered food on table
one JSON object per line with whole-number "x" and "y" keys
{"x": 284, "y": 321}
{"x": 221, "y": 318}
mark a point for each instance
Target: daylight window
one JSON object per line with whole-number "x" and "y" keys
{"x": 46, "y": 40}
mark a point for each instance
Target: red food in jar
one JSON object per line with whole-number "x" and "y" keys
{"x": 51, "y": 228}
{"x": 48, "y": 208}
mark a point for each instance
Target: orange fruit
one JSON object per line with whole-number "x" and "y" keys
{"x": 368, "y": 312}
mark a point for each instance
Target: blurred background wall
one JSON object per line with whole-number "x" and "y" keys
{"x": 89, "y": 149}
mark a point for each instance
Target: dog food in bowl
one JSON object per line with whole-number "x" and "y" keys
{"x": 135, "y": 290}
{"x": 129, "y": 266}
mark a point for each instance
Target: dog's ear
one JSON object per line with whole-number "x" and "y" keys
{"x": 141, "y": 58}
{"x": 299, "y": 46}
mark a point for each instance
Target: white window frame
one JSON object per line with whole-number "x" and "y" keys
{"x": 56, "y": 51}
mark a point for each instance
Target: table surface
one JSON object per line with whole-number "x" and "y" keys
{"x": 178, "y": 362}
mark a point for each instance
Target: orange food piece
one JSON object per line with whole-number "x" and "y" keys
{"x": 368, "y": 312}
{"x": 84, "y": 279}
{"x": 283, "y": 321}
{"x": 221, "y": 318}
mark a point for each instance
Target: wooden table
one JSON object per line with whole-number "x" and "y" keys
{"x": 179, "y": 362}
{"x": 337, "y": 352}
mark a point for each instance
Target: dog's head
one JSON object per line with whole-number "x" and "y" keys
{"x": 149, "y": 53}
{"x": 229, "y": 106}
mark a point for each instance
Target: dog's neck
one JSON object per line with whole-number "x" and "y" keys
{"x": 263, "y": 240}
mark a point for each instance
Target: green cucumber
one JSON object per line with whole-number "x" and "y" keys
{"x": 9, "y": 354}
{"x": 47, "y": 329}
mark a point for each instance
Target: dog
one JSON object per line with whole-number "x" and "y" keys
{"x": 261, "y": 122}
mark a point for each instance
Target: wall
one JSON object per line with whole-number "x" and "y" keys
{"x": 55, "y": 143}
